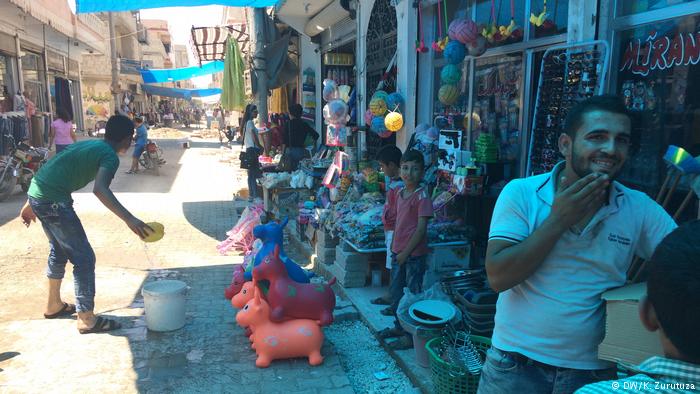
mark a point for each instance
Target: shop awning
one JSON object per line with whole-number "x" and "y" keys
{"x": 186, "y": 94}
{"x": 179, "y": 74}
{"x": 84, "y": 6}
{"x": 310, "y": 18}
{"x": 209, "y": 43}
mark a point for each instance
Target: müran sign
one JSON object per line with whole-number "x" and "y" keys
{"x": 660, "y": 53}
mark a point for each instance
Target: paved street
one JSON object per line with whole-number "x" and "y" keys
{"x": 192, "y": 197}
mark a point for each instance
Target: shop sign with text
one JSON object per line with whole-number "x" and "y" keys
{"x": 660, "y": 52}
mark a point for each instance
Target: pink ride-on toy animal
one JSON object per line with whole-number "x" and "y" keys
{"x": 273, "y": 341}
{"x": 236, "y": 283}
{"x": 291, "y": 299}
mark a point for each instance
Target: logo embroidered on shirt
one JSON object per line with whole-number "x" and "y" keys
{"x": 619, "y": 239}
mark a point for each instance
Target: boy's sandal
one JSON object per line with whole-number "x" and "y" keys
{"x": 67, "y": 310}
{"x": 390, "y": 332}
{"x": 101, "y": 325}
{"x": 387, "y": 311}
{"x": 403, "y": 343}
{"x": 380, "y": 301}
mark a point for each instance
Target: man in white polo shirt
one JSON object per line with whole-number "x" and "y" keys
{"x": 557, "y": 242}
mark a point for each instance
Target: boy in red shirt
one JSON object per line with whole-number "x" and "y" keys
{"x": 389, "y": 158}
{"x": 413, "y": 208}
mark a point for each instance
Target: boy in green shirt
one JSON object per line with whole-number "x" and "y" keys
{"x": 50, "y": 201}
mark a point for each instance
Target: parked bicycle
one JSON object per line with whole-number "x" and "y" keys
{"x": 22, "y": 162}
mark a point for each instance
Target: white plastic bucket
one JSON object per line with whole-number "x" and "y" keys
{"x": 164, "y": 303}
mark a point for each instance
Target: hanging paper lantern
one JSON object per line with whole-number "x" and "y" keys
{"x": 393, "y": 121}
{"x": 454, "y": 52}
{"x": 368, "y": 117}
{"x": 451, "y": 74}
{"x": 377, "y": 106}
{"x": 478, "y": 47}
{"x": 394, "y": 102}
{"x": 380, "y": 94}
{"x": 330, "y": 90}
{"x": 448, "y": 94}
{"x": 378, "y": 124}
{"x": 463, "y": 30}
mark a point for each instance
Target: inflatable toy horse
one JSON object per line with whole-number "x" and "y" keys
{"x": 273, "y": 341}
{"x": 291, "y": 299}
{"x": 272, "y": 235}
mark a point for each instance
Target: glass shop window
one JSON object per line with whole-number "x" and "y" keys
{"x": 6, "y": 77}
{"x": 34, "y": 80}
{"x": 548, "y": 17}
{"x": 496, "y": 133}
{"x": 496, "y": 16}
{"x": 659, "y": 78}
{"x": 629, "y": 7}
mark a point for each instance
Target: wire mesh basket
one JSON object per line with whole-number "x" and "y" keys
{"x": 455, "y": 362}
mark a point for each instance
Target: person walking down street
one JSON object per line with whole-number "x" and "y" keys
{"x": 412, "y": 207}
{"x": 253, "y": 148}
{"x": 557, "y": 242}
{"x": 49, "y": 200}
{"x": 295, "y": 137}
{"x": 139, "y": 144}
{"x": 61, "y": 132}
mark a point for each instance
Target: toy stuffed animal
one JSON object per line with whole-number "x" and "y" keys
{"x": 288, "y": 298}
{"x": 273, "y": 341}
{"x": 272, "y": 235}
{"x": 246, "y": 294}
{"x": 236, "y": 283}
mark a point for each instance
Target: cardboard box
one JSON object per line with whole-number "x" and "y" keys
{"x": 626, "y": 340}
{"x": 449, "y": 258}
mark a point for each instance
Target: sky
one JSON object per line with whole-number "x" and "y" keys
{"x": 180, "y": 21}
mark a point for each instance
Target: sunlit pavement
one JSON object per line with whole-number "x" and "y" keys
{"x": 193, "y": 198}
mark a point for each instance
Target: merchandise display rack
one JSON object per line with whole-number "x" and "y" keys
{"x": 569, "y": 74}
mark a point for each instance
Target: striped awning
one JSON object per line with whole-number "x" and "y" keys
{"x": 209, "y": 43}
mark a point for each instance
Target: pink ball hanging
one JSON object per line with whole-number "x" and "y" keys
{"x": 463, "y": 30}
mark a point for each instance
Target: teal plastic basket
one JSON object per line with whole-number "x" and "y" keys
{"x": 449, "y": 378}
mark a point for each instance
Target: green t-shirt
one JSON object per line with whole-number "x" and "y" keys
{"x": 72, "y": 169}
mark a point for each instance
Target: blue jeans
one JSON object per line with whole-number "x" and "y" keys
{"x": 506, "y": 372}
{"x": 254, "y": 172}
{"x": 67, "y": 241}
{"x": 60, "y": 148}
{"x": 409, "y": 274}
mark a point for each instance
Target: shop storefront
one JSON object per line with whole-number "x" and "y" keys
{"x": 656, "y": 51}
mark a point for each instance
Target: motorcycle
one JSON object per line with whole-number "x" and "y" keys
{"x": 20, "y": 166}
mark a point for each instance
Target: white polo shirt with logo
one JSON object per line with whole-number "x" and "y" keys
{"x": 557, "y": 316}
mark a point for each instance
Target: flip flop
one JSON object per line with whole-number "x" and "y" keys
{"x": 101, "y": 325}
{"x": 390, "y": 332}
{"x": 67, "y": 310}
{"x": 380, "y": 301}
{"x": 387, "y": 312}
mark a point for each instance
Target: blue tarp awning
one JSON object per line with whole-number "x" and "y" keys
{"x": 186, "y": 94}
{"x": 84, "y": 6}
{"x": 179, "y": 74}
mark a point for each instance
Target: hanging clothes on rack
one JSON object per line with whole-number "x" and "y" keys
{"x": 63, "y": 98}
{"x": 12, "y": 124}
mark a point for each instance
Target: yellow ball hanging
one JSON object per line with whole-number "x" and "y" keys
{"x": 378, "y": 106}
{"x": 393, "y": 121}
